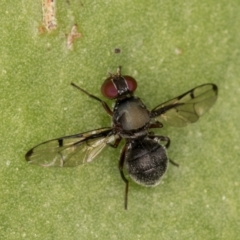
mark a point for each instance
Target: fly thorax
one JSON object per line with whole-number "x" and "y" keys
{"x": 131, "y": 114}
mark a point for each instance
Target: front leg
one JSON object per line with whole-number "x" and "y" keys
{"x": 104, "y": 104}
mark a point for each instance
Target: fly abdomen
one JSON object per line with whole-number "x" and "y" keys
{"x": 146, "y": 161}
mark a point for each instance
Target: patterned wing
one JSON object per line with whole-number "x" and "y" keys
{"x": 71, "y": 151}
{"x": 188, "y": 107}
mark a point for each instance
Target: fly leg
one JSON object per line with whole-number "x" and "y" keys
{"x": 156, "y": 124}
{"x": 160, "y": 138}
{"x": 168, "y": 141}
{"x": 116, "y": 143}
{"x": 121, "y": 164}
{"x": 104, "y": 104}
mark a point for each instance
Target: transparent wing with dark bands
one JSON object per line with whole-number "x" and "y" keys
{"x": 72, "y": 150}
{"x": 188, "y": 107}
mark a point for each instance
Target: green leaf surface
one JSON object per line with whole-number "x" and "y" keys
{"x": 169, "y": 47}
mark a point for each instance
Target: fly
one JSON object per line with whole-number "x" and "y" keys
{"x": 144, "y": 154}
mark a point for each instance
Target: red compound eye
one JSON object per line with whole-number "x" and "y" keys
{"x": 109, "y": 89}
{"x": 131, "y": 82}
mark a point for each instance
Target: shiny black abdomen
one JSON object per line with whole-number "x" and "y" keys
{"x": 146, "y": 161}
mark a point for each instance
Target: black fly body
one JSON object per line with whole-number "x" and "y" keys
{"x": 144, "y": 154}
